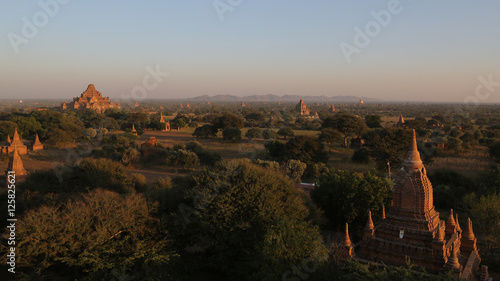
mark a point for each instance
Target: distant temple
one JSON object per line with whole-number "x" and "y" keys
{"x": 187, "y": 105}
{"x": 37, "y": 145}
{"x": 134, "y": 131}
{"x": 361, "y": 102}
{"x": 167, "y": 123}
{"x": 13, "y": 144}
{"x": 16, "y": 165}
{"x": 301, "y": 108}
{"x": 243, "y": 104}
{"x": 412, "y": 229}
{"x": 332, "y": 108}
{"x": 401, "y": 122}
{"x": 91, "y": 99}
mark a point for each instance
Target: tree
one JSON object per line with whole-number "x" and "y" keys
{"x": 228, "y": 120}
{"x": 485, "y": 215}
{"x": 373, "y": 121}
{"x": 294, "y": 169}
{"x": 276, "y": 149}
{"x": 347, "y": 197}
{"x": 253, "y": 133}
{"x": 388, "y": 145}
{"x": 183, "y": 158}
{"x": 92, "y": 236}
{"x": 454, "y": 144}
{"x": 248, "y": 222}
{"x": 348, "y": 125}
{"x": 90, "y": 132}
{"x": 330, "y": 136}
{"x": 269, "y": 134}
{"x": 306, "y": 149}
{"x": 27, "y": 126}
{"x": 7, "y": 128}
{"x": 231, "y": 134}
{"x": 205, "y": 131}
{"x": 286, "y": 132}
{"x": 255, "y": 117}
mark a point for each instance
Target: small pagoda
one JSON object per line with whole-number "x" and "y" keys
{"x": 16, "y": 165}
{"x": 37, "y": 145}
{"x": 13, "y": 144}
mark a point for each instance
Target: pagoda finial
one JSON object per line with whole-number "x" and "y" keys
{"x": 383, "y": 212}
{"x": 347, "y": 240}
{"x": 456, "y": 223}
{"x": 440, "y": 233}
{"x": 16, "y": 135}
{"x": 450, "y": 224}
{"x": 369, "y": 222}
{"x": 36, "y": 138}
{"x": 468, "y": 232}
{"x": 8, "y": 139}
{"x": 453, "y": 260}
{"x": 413, "y": 157}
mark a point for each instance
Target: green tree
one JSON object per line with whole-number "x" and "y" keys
{"x": 286, "y": 132}
{"x": 388, "y": 145}
{"x": 348, "y": 125}
{"x": 347, "y": 197}
{"x": 205, "y": 131}
{"x": 330, "y": 136}
{"x": 294, "y": 169}
{"x": 248, "y": 222}
{"x": 92, "y": 237}
{"x": 231, "y": 134}
{"x": 253, "y": 133}
{"x": 7, "y": 128}
{"x": 269, "y": 134}
{"x": 373, "y": 121}
{"x": 276, "y": 149}
{"x": 183, "y": 158}
{"x": 306, "y": 149}
{"x": 228, "y": 120}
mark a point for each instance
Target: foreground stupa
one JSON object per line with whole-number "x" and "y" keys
{"x": 91, "y": 99}
{"x": 412, "y": 231}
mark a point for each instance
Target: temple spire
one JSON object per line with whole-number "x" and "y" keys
{"x": 413, "y": 157}
{"x": 369, "y": 222}
{"x": 453, "y": 259}
{"x": 16, "y": 136}
{"x": 456, "y": 223}
{"x": 16, "y": 164}
{"x": 468, "y": 232}
{"x": 8, "y": 139}
{"x": 450, "y": 224}
{"x": 347, "y": 240}
{"x": 383, "y": 212}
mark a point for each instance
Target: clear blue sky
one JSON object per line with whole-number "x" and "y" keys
{"x": 430, "y": 50}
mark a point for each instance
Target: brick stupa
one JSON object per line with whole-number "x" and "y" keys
{"x": 13, "y": 144}
{"x": 301, "y": 108}
{"x": 412, "y": 230}
{"x": 37, "y": 145}
{"x": 91, "y": 99}
{"x": 16, "y": 165}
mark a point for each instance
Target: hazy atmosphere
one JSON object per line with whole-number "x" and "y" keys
{"x": 388, "y": 50}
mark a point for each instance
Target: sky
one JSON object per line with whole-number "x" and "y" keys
{"x": 437, "y": 51}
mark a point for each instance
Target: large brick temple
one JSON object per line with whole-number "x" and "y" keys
{"x": 412, "y": 230}
{"x": 92, "y": 99}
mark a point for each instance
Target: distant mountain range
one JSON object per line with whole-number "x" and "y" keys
{"x": 285, "y": 98}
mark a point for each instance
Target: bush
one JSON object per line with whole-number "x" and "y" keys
{"x": 361, "y": 156}
{"x": 231, "y": 134}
